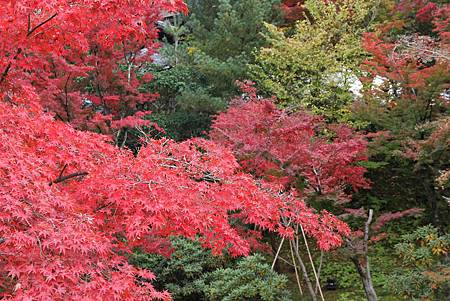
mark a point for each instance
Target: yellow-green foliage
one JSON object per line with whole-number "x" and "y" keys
{"x": 313, "y": 64}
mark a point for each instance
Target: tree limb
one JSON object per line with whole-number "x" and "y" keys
{"x": 65, "y": 178}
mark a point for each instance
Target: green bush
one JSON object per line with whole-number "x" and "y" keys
{"x": 350, "y": 296}
{"x": 425, "y": 273}
{"x": 344, "y": 272}
{"x": 381, "y": 263}
{"x": 192, "y": 115}
{"x": 251, "y": 279}
{"x": 193, "y": 273}
{"x": 188, "y": 262}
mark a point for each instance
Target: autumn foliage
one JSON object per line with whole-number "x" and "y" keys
{"x": 411, "y": 54}
{"x": 295, "y": 149}
{"x": 293, "y": 10}
{"x": 81, "y": 57}
{"x": 73, "y": 205}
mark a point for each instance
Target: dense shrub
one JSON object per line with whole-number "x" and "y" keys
{"x": 193, "y": 273}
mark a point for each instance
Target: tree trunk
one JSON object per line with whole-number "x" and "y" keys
{"x": 362, "y": 263}
{"x": 366, "y": 278}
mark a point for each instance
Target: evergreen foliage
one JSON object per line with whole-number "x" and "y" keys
{"x": 425, "y": 273}
{"x": 192, "y": 273}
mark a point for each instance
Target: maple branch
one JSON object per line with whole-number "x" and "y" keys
{"x": 59, "y": 117}
{"x": 168, "y": 166}
{"x": 8, "y": 98}
{"x": 65, "y": 178}
{"x": 36, "y": 213}
{"x": 5, "y": 72}
{"x": 124, "y": 138}
{"x": 319, "y": 184}
{"x": 30, "y": 31}
{"x": 208, "y": 178}
{"x": 66, "y": 95}
{"x": 41, "y": 252}
{"x": 29, "y": 23}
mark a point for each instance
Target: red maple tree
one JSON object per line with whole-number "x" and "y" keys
{"x": 298, "y": 151}
{"x": 72, "y": 205}
{"x": 63, "y": 47}
{"x": 288, "y": 147}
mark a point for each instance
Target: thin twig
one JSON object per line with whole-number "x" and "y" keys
{"x": 102, "y": 207}
{"x": 40, "y": 246}
{"x": 62, "y": 171}
{"x": 29, "y": 33}
{"x": 124, "y": 139}
{"x": 286, "y": 261}
{"x": 5, "y": 72}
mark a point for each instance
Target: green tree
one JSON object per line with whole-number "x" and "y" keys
{"x": 315, "y": 63}
{"x": 223, "y": 39}
{"x": 208, "y": 51}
